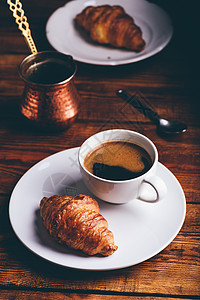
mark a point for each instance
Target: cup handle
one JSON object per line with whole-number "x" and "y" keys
{"x": 152, "y": 189}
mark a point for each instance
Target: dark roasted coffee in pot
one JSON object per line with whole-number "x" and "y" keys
{"x": 48, "y": 72}
{"x": 118, "y": 160}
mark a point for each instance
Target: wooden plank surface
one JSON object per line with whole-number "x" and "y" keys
{"x": 23, "y": 295}
{"x": 169, "y": 83}
{"x": 176, "y": 266}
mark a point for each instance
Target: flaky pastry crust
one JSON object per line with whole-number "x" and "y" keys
{"x": 111, "y": 25}
{"x": 77, "y": 222}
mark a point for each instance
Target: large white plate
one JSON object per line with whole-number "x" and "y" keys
{"x": 141, "y": 230}
{"x": 64, "y": 37}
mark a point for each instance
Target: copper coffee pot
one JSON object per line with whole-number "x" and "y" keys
{"x": 50, "y": 97}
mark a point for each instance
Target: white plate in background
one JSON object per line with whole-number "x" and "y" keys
{"x": 63, "y": 35}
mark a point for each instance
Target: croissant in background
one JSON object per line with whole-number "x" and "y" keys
{"x": 77, "y": 222}
{"x": 111, "y": 25}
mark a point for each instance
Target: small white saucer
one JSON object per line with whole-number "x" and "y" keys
{"x": 141, "y": 229}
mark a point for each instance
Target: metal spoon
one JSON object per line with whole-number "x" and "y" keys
{"x": 163, "y": 126}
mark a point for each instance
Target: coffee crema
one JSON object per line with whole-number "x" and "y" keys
{"x": 118, "y": 160}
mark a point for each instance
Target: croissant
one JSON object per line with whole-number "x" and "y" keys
{"x": 77, "y": 222}
{"x": 111, "y": 25}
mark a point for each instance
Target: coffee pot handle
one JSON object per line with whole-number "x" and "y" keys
{"x": 152, "y": 189}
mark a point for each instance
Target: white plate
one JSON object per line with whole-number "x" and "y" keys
{"x": 64, "y": 37}
{"x": 141, "y": 230}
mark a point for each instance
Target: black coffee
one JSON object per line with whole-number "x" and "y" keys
{"x": 118, "y": 160}
{"x": 48, "y": 72}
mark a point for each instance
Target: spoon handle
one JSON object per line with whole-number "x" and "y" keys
{"x": 140, "y": 106}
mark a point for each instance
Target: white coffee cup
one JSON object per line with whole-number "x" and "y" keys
{"x": 147, "y": 187}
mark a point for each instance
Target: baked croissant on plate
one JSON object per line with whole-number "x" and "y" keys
{"x": 111, "y": 25}
{"x": 77, "y": 222}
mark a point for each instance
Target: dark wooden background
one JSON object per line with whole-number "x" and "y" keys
{"x": 169, "y": 81}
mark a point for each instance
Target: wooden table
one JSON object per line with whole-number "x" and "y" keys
{"x": 169, "y": 82}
